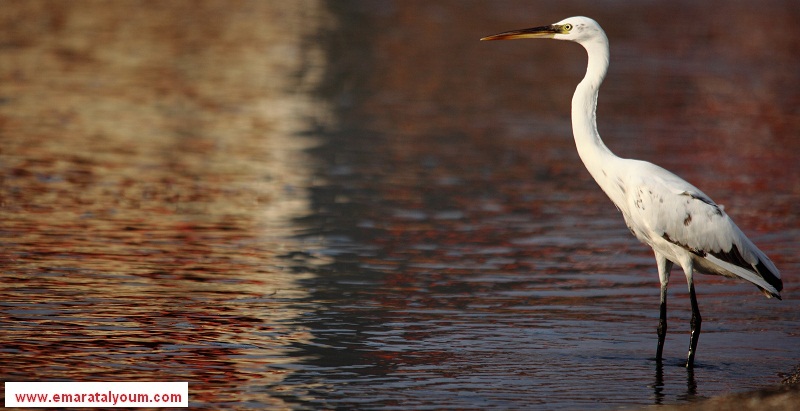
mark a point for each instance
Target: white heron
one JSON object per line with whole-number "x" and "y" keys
{"x": 679, "y": 222}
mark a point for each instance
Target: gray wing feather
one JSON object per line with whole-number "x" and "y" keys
{"x": 665, "y": 205}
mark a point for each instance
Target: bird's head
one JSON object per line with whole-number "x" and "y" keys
{"x": 578, "y": 29}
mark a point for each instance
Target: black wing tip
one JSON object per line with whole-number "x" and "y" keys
{"x": 768, "y": 276}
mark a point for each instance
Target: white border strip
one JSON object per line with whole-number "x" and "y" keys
{"x": 97, "y": 394}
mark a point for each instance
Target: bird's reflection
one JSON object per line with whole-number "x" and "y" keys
{"x": 658, "y": 385}
{"x": 691, "y": 385}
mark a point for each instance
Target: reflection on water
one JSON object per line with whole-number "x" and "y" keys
{"x": 358, "y": 205}
{"x": 152, "y": 163}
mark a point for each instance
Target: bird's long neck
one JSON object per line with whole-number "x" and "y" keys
{"x": 593, "y": 152}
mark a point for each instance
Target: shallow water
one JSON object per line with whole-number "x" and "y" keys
{"x": 357, "y": 205}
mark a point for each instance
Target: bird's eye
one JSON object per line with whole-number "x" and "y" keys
{"x": 567, "y": 27}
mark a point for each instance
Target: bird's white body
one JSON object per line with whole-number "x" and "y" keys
{"x": 662, "y": 210}
{"x": 681, "y": 224}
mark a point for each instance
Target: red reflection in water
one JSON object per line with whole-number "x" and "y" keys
{"x": 149, "y": 165}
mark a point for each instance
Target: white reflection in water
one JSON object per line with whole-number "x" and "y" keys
{"x": 153, "y": 162}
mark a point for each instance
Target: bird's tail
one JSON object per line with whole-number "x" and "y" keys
{"x": 763, "y": 274}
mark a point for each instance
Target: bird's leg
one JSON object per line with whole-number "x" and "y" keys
{"x": 664, "y": 267}
{"x": 662, "y": 323}
{"x": 696, "y": 320}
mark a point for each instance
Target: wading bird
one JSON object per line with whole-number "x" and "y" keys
{"x": 681, "y": 224}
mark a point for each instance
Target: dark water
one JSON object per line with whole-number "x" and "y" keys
{"x": 357, "y": 205}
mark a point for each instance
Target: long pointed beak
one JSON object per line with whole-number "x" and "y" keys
{"x": 543, "y": 32}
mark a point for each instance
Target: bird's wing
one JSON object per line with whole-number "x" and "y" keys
{"x": 667, "y": 206}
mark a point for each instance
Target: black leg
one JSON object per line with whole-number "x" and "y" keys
{"x": 662, "y": 323}
{"x": 664, "y": 267}
{"x": 696, "y": 321}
